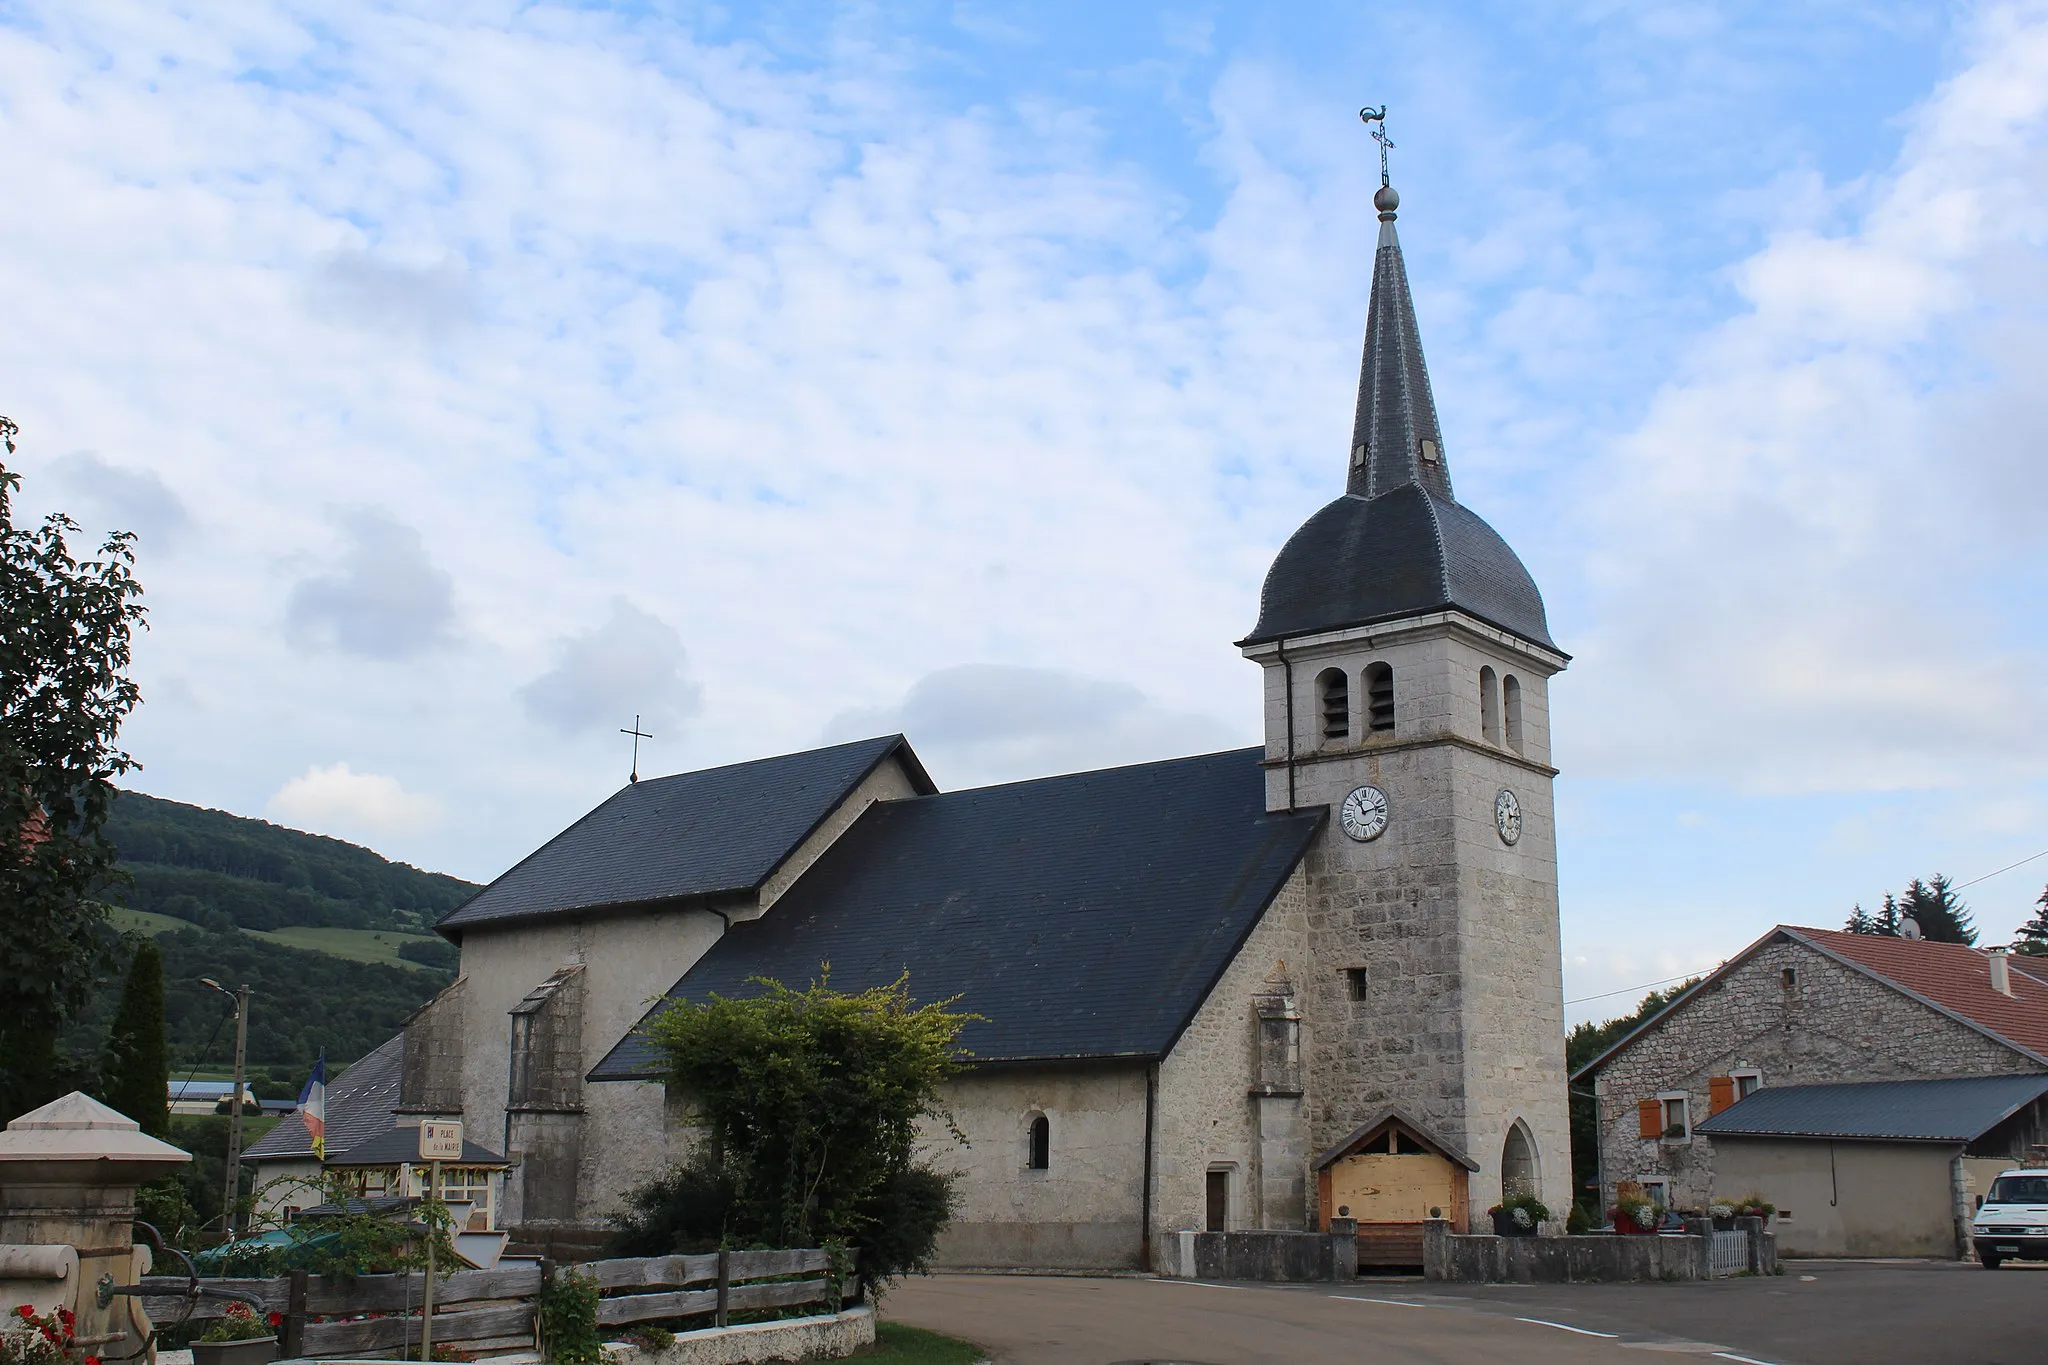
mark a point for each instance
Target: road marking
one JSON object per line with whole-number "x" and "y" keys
{"x": 1567, "y": 1327}
{"x": 1391, "y": 1303}
{"x": 1746, "y": 1360}
{"x": 1197, "y": 1284}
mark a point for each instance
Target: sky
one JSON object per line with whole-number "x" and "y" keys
{"x": 481, "y": 376}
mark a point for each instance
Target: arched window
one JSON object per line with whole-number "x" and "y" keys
{"x": 1379, "y": 698}
{"x": 1511, "y": 709}
{"x": 1489, "y": 706}
{"x": 1518, "y": 1174}
{"x": 1333, "y": 694}
{"x": 1041, "y": 1144}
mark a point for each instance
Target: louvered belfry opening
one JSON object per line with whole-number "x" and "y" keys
{"x": 1333, "y": 690}
{"x": 1379, "y": 698}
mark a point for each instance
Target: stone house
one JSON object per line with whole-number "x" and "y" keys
{"x": 1803, "y": 1007}
{"x": 1217, "y": 991}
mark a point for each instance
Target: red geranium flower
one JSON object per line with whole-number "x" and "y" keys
{"x": 24, "y": 1311}
{"x": 275, "y": 1319}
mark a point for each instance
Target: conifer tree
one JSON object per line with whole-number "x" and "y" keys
{"x": 1938, "y": 911}
{"x": 1861, "y": 921}
{"x": 135, "y": 1077}
{"x": 2031, "y": 938}
{"x": 1887, "y": 917}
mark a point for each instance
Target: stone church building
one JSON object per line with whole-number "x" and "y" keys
{"x": 1240, "y": 990}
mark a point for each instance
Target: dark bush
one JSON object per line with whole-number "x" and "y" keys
{"x": 904, "y": 1220}
{"x": 687, "y": 1211}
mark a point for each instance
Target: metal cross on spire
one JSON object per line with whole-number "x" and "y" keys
{"x": 638, "y": 734}
{"x": 1371, "y": 115}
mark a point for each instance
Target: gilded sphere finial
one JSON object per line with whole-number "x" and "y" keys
{"x": 1386, "y": 199}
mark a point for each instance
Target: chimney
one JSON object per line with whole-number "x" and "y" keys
{"x": 2001, "y": 972}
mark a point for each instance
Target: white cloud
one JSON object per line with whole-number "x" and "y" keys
{"x": 1800, "y": 554}
{"x": 980, "y": 723}
{"x": 631, "y": 665}
{"x": 385, "y": 599}
{"x": 335, "y": 799}
{"x": 114, "y": 497}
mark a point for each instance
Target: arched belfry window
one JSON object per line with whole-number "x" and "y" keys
{"x": 1379, "y": 698}
{"x": 1040, "y": 1157}
{"x": 1333, "y": 695}
{"x": 1511, "y": 709}
{"x": 1489, "y": 706}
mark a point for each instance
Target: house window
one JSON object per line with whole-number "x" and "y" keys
{"x": 1354, "y": 981}
{"x": 1656, "y": 1190}
{"x": 1511, "y": 710}
{"x": 1747, "y": 1083}
{"x": 1789, "y": 977}
{"x": 1333, "y": 692}
{"x": 1218, "y": 1192}
{"x": 1676, "y": 1119}
{"x": 1379, "y": 698}
{"x": 1040, "y": 1158}
{"x": 1489, "y": 706}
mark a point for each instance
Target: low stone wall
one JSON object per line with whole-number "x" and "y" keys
{"x": 827, "y": 1336}
{"x": 1266, "y": 1255}
{"x": 1592, "y": 1259}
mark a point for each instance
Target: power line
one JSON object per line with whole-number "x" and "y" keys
{"x": 1652, "y": 985}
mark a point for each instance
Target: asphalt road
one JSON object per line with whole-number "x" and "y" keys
{"x": 1817, "y": 1313}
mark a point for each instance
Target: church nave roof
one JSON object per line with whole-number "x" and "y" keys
{"x": 1085, "y": 916}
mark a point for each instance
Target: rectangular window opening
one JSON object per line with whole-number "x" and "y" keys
{"x": 1747, "y": 1083}
{"x": 1355, "y": 982}
{"x": 1676, "y": 1122}
{"x": 1790, "y": 977}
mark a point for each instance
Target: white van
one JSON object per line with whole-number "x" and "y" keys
{"x": 2012, "y": 1225}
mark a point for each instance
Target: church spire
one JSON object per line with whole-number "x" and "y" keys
{"x": 1394, "y": 437}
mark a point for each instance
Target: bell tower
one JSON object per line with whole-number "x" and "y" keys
{"x": 1407, "y": 679}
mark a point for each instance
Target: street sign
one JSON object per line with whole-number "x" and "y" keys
{"x": 441, "y": 1140}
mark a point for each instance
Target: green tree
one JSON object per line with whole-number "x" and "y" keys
{"x": 135, "y": 1076}
{"x": 1938, "y": 911}
{"x": 65, "y": 630}
{"x": 1585, "y": 1042}
{"x": 1861, "y": 921}
{"x": 809, "y": 1104}
{"x": 2031, "y": 938}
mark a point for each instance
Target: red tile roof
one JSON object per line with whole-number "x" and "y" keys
{"x": 1953, "y": 976}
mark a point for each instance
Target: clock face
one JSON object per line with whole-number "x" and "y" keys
{"x": 1364, "y": 814}
{"x": 1507, "y": 816}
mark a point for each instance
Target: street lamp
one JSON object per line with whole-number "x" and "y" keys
{"x": 232, "y": 1180}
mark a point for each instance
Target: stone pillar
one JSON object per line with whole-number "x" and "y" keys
{"x": 1280, "y": 1182}
{"x": 68, "y": 1176}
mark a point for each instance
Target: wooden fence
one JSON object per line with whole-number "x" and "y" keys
{"x": 493, "y": 1310}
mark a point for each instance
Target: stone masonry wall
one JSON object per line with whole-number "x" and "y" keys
{"x": 1835, "y": 1024}
{"x": 430, "y": 1076}
{"x": 1204, "y": 1115}
{"x": 1461, "y": 1023}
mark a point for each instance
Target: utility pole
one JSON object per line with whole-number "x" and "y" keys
{"x": 231, "y": 1181}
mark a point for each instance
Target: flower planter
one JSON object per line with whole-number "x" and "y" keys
{"x": 1504, "y": 1225}
{"x": 250, "y": 1351}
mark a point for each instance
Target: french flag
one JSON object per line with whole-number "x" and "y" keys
{"x": 313, "y": 1106}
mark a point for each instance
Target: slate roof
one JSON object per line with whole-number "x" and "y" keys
{"x": 1363, "y": 560}
{"x": 359, "y": 1107}
{"x": 1398, "y": 543}
{"x": 1949, "y": 977}
{"x": 400, "y": 1146}
{"x": 1962, "y": 1109}
{"x": 1085, "y": 916}
{"x": 716, "y": 832}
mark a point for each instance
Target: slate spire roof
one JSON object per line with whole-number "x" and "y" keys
{"x": 1397, "y": 543}
{"x": 1396, "y": 412}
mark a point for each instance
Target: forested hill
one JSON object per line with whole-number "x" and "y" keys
{"x": 225, "y": 872}
{"x": 335, "y": 942}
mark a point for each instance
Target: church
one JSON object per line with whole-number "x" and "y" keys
{"x": 1244, "y": 990}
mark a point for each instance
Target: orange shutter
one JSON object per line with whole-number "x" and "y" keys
{"x": 1650, "y": 1118}
{"x": 1720, "y": 1093}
